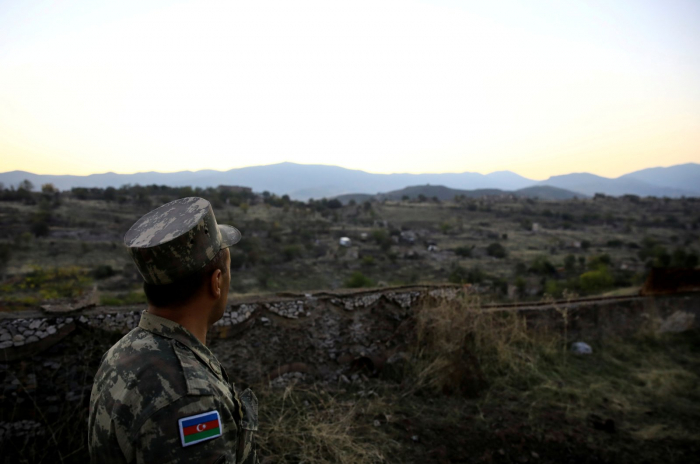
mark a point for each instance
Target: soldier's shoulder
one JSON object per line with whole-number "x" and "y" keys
{"x": 142, "y": 364}
{"x": 138, "y": 350}
{"x": 138, "y": 376}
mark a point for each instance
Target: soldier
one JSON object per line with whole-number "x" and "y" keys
{"x": 160, "y": 395}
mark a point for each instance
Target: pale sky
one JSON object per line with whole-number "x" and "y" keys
{"x": 538, "y": 87}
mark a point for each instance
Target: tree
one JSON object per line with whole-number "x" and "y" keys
{"x": 26, "y": 185}
{"x": 570, "y": 263}
{"x": 496, "y": 250}
{"x": 48, "y": 189}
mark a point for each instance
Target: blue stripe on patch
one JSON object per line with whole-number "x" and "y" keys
{"x": 199, "y": 420}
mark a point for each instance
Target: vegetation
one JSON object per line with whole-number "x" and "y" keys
{"x": 586, "y": 246}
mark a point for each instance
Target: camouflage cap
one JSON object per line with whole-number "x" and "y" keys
{"x": 177, "y": 239}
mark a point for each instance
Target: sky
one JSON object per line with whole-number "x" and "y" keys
{"x": 539, "y": 88}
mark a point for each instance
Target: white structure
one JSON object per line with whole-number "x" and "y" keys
{"x": 345, "y": 242}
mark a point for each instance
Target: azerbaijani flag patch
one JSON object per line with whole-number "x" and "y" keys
{"x": 195, "y": 429}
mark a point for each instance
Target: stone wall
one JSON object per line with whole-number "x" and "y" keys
{"x": 321, "y": 333}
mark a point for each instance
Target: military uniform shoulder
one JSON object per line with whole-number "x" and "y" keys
{"x": 140, "y": 374}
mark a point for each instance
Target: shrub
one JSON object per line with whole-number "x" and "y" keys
{"x": 382, "y": 238}
{"x": 464, "y": 251}
{"x": 291, "y": 252}
{"x": 541, "y": 265}
{"x": 357, "y": 280}
{"x": 40, "y": 225}
{"x": 103, "y": 271}
{"x": 368, "y": 261}
{"x": 570, "y": 263}
{"x": 496, "y": 250}
{"x": 595, "y": 262}
{"x": 594, "y": 281}
{"x": 460, "y": 275}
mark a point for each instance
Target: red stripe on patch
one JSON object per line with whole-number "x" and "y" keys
{"x": 201, "y": 427}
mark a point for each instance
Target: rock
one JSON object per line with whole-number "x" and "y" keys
{"x": 5, "y": 344}
{"x": 18, "y": 338}
{"x": 51, "y": 330}
{"x": 32, "y": 339}
{"x": 18, "y": 343}
{"x": 35, "y": 324}
{"x": 679, "y": 321}
{"x": 581, "y": 348}
{"x": 5, "y": 337}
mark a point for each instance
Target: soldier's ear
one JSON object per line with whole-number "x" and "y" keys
{"x": 215, "y": 283}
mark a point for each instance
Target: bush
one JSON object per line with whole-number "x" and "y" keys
{"x": 368, "y": 261}
{"x": 570, "y": 263}
{"x": 594, "y": 281}
{"x": 382, "y": 238}
{"x": 541, "y": 265}
{"x": 291, "y": 252}
{"x": 464, "y": 251}
{"x": 460, "y": 275}
{"x": 496, "y": 250}
{"x": 40, "y": 225}
{"x": 103, "y": 271}
{"x": 357, "y": 280}
{"x": 595, "y": 262}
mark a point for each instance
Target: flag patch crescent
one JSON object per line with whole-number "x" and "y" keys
{"x": 199, "y": 428}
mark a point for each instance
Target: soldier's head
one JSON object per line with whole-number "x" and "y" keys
{"x": 181, "y": 251}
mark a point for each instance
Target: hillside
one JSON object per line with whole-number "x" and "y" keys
{"x": 515, "y": 247}
{"x": 443, "y": 193}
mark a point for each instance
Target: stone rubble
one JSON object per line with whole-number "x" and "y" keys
{"x": 405, "y": 299}
{"x": 288, "y": 309}
{"x": 447, "y": 293}
{"x": 238, "y": 315}
{"x": 362, "y": 301}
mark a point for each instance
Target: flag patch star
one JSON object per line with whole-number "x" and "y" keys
{"x": 199, "y": 428}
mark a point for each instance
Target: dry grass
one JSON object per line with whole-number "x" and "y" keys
{"x": 459, "y": 346}
{"x": 311, "y": 425}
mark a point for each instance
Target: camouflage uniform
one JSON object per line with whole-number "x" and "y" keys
{"x": 160, "y": 376}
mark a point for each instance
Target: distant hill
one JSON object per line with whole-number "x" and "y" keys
{"x": 682, "y": 176}
{"x": 445, "y": 193}
{"x": 591, "y": 184}
{"x": 302, "y": 182}
{"x": 547, "y": 192}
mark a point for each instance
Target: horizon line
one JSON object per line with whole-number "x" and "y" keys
{"x": 336, "y": 166}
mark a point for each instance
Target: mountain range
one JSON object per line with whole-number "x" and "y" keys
{"x": 301, "y": 181}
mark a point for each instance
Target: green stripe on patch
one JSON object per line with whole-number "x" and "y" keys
{"x": 202, "y": 435}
